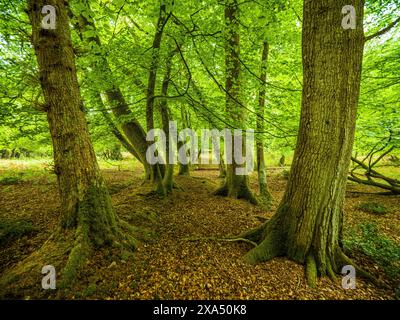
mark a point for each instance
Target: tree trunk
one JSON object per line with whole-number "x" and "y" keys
{"x": 129, "y": 124}
{"x": 235, "y": 186}
{"x": 151, "y": 84}
{"x": 85, "y": 202}
{"x": 307, "y": 226}
{"x": 155, "y": 170}
{"x": 184, "y": 169}
{"x": 114, "y": 129}
{"x": 222, "y": 166}
{"x": 261, "y": 168}
{"x": 168, "y": 179}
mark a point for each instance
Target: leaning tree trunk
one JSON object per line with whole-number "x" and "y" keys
{"x": 235, "y": 186}
{"x": 131, "y": 127}
{"x": 85, "y": 202}
{"x": 261, "y": 168}
{"x": 307, "y": 226}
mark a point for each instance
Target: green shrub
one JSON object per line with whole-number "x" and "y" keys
{"x": 14, "y": 229}
{"x": 382, "y": 250}
{"x": 373, "y": 207}
{"x": 10, "y": 179}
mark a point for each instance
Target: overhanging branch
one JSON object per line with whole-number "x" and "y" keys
{"x": 383, "y": 31}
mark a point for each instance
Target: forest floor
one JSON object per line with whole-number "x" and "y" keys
{"x": 169, "y": 265}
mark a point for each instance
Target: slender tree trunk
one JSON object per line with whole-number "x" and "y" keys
{"x": 85, "y": 202}
{"x": 129, "y": 124}
{"x": 184, "y": 169}
{"x": 151, "y": 84}
{"x": 236, "y": 186}
{"x": 261, "y": 168}
{"x": 222, "y": 167}
{"x": 114, "y": 129}
{"x": 307, "y": 226}
{"x": 168, "y": 179}
{"x": 163, "y": 18}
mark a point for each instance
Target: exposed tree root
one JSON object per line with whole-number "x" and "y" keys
{"x": 222, "y": 191}
{"x": 178, "y": 187}
{"x": 221, "y": 239}
{"x": 79, "y": 253}
{"x": 345, "y": 260}
{"x": 255, "y": 234}
{"x": 269, "y": 248}
{"x": 243, "y": 193}
{"x": 311, "y": 270}
{"x": 271, "y": 243}
{"x": 76, "y": 245}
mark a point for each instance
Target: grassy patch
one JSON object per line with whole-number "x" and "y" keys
{"x": 31, "y": 175}
{"x": 10, "y": 179}
{"x": 373, "y": 207}
{"x": 376, "y": 246}
{"x": 14, "y": 229}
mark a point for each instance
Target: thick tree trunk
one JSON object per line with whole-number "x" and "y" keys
{"x": 261, "y": 168}
{"x": 235, "y": 186}
{"x": 307, "y": 226}
{"x": 85, "y": 201}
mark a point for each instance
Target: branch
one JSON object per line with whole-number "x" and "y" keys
{"x": 383, "y": 31}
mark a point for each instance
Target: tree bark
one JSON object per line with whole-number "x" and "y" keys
{"x": 85, "y": 202}
{"x": 168, "y": 179}
{"x": 235, "y": 186}
{"x": 261, "y": 167}
{"x": 184, "y": 169}
{"x": 163, "y": 18}
{"x": 151, "y": 85}
{"x": 307, "y": 226}
{"x": 114, "y": 129}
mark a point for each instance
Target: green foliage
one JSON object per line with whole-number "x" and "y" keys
{"x": 373, "y": 207}
{"x": 11, "y": 229}
{"x": 126, "y": 31}
{"x": 382, "y": 250}
{"x": 10, "y": 179}
{"x": 32, "y": 175}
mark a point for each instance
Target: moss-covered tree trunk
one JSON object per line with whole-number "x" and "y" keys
{"x": 307, "y": 226}
{"x": 85, "y": 201}
{"x": 235, "y": 186}
{"x": 261, "y": 167}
